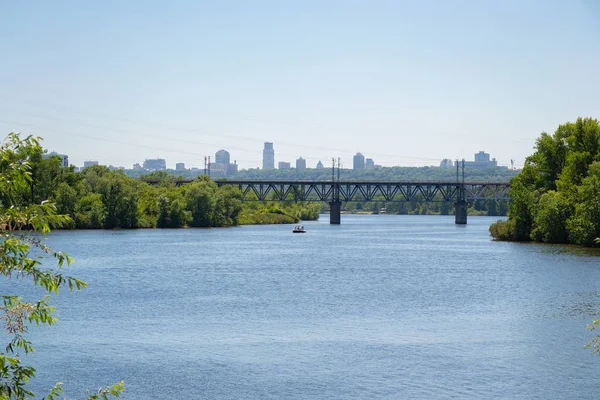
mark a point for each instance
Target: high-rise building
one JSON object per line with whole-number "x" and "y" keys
{"x": 222, "y": 157}
{"x": 284, "y": 165}
{"x": 300, "y": 164}
{"x": 180, "y": 166}
{"x": 87, "y": 164}
{"x": 446, "y": 163}
{"x": 369, "y": 163}
{"x": 482, "y": 159}
{"x": 232, "y": 169}
{"x": 268, "y": 156}
{"x": 359, "y": 161}
{"x": 222, "y": 167}
{"x": 156, "y": 164}
{"x": 64, "y": 159}
{"x": 320, "y": 165}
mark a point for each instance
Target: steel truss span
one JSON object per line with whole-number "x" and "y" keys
{"x": 323, "y": 191}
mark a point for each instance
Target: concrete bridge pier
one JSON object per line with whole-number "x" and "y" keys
{"x": 335, "y": 212}
{"x": 460, "y": 212}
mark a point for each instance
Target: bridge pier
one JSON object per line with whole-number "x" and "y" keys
{"x": 460, "y": 212}
{"x": 335, "y": 212}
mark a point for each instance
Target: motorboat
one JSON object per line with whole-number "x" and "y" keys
{"x": 299, "y": 229}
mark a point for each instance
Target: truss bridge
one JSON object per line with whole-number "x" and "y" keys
{"x": 336, "y": 192}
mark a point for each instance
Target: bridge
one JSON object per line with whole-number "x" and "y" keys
{"x": 336, "y": 192}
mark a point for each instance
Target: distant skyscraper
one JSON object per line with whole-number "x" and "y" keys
{"x": 64, "y": 159}
{"x": 359, "y": 161}
{"x": 157, "y": 164}
{"x": 222, "y": 157}
{"x": 222, "y": 167}
{"x": 232, "y": 169}
{"x": 369, "y": 163}
{"x": 300, "y": 164}
{"x": 482, "y": 159}
{"x": 180, "y": 166}
{"x": 268, "y": 156}
{"x": 446, "y": 163}
{"x": 320, "y": 165}
{"x": 87, "y": 164}
{"x": 284, "y": 165}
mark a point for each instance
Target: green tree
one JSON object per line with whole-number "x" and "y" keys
{"x": 119, "y": 197}
{"x": 227, "y": 206}
{"x": 201, "y": 202}
{"x": 65, "y": 198}
{"x": 584, "y": 225}
{"x": 555, "y": 198}
{"x": 550, "y": 221}
{"x": 90, "y": 212}
{"x": 17, "y": 261}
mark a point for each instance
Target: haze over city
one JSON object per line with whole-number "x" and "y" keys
{"x": 404, "y": 83}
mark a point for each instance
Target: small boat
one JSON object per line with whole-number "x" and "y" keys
{"x": 299, "y": 229}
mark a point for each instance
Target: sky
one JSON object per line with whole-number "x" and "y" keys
{"x": 406, "y": 83}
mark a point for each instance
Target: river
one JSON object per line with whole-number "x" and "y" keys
{"x": 380, "y": 307}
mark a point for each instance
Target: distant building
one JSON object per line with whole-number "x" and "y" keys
{"x": 64, "y": 159}
{"x": 300, "y": 164}
{"x": 268, "y": 156}
{"x": 482, "y": 160}
{"x": 358, "y": 161}
{"x": 232, "y": 169}
{"x": 180, "y": 166}
{"x": 137, "y": 167}
{"x": 320, "y": 165}
{"x": 157, "y": 164}
{"x": 222, "y": 167}
{"x": 284, "y": 165}
{"x": 222, "y": 157}
{"x": 369, "y": 163}
{"x": 87, "y": 164}
{"x": 446, "y": 163}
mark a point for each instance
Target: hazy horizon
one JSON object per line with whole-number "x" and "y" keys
{"x": 404, "y": 83}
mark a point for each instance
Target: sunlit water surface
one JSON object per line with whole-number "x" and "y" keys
{"x": 380, "y": 307}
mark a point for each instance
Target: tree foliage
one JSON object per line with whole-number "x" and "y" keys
{"x": 98, "y": 198}
{"x": 556, "y": 197}
{"x": 19, "y": 215}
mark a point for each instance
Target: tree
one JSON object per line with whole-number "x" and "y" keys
{"x": 556, "y": 196}
{"x": 200, "y": 202}
{"x": 551, "y": 218}
{"x": 120, "y": 200}
{"x": 17, "y": 261}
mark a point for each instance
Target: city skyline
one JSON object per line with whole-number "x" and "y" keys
{"x": 222, "y": 161}
{"x": 406, "y": 83}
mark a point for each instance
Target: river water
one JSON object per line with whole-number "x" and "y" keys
{"x": 380, "y": 307}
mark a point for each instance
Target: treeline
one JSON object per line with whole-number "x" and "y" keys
{"x": 496, "y": 174}
{"x": 99, "y": 198}
{"x": 492, "y": 174}
{"x": 556, "y": 197}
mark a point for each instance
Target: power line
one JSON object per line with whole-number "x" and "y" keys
{"x": 193, "y": 130}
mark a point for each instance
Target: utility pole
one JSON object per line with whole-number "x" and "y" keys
{"x": 205, "y": 165}
{"x": 463, "y": 171}
{"x": 332, "y": 169}
{"x": 209, "y": 166}
{"x": 338, "y": 168}
{"x": 457, "y": 181}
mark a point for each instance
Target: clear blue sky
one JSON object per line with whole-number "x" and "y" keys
{"x": 406, "y": 83}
